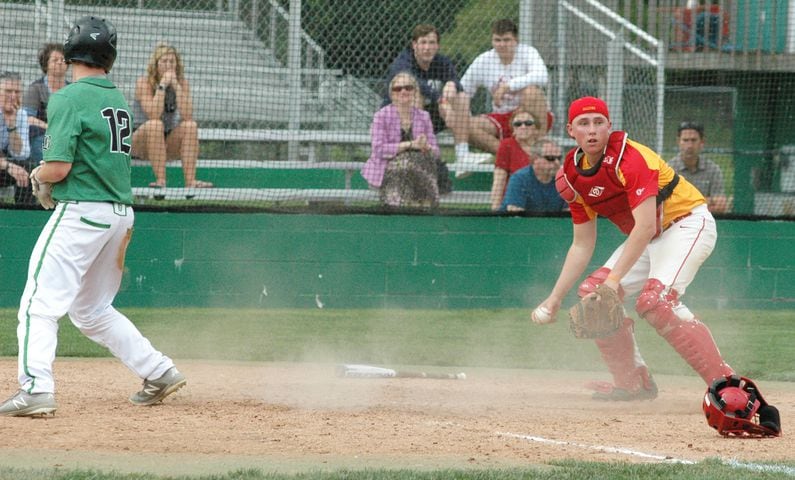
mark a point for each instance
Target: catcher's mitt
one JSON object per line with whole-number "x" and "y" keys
{"x": 597, "y": 316}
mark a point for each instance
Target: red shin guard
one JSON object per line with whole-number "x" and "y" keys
{"x": 689, "y": 337}
{"x": 619, "y": 351}
{"x": 623, "y": 359}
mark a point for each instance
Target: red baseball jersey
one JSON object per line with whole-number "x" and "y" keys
{"x": 627, "y": 174}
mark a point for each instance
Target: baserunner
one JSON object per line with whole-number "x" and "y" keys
{"x": 76, "y": 265}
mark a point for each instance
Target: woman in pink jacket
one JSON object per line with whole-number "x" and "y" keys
{"x": 402, "y": 164}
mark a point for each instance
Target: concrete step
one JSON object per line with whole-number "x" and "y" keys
{"x": 288, "y": 177}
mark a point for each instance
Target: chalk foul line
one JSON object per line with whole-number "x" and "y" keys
{"x": 733, "y": 463}
{"x": 600, "y": 448}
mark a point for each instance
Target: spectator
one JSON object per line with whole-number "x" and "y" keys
{"x": 14, "y": 140}
{"x": 700, "y": 171}
{"x": 51, "y": 61}
{"x": 13, "y": 174}
{"x": 440, "y": 92}
{"x": 514, "y": 153}
{"x": 515, "y": 76}
{"x": 532, "y": 188}
{"x": 402, "y": 162}
{"x": 164, "y": 128}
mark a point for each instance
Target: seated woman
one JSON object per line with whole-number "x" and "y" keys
{"x": 403, "y": 160}
{"x": 163, "y": 114}
{"x": 51, "y": 61}
{"x": 514, "y": 152}
{"x": 532, "y": 188}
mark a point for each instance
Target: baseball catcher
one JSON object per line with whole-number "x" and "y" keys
{"x": 669, "y": 231}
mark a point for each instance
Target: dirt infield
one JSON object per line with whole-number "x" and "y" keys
{"x": 296, "y": 417}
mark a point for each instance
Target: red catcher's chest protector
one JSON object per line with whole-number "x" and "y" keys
{"x": 599, "y": 186}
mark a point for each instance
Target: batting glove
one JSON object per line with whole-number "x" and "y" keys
{"x": 41, "y": 190}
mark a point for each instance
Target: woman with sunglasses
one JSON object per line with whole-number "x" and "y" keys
{"x": 513, "y": 153}
{"x": 402, "y": 163}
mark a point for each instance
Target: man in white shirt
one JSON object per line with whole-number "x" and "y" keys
{"x": 699, "y": 170}
{"x": 515, "y": 75}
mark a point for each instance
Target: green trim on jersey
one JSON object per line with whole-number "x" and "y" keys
{"x": 90, "y": 126}
{"x": 33, "y": 294}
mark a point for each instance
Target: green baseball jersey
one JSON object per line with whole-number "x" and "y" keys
{"x": 90, "y": 126}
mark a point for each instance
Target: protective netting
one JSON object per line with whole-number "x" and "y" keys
{"x": 284, "y": 92}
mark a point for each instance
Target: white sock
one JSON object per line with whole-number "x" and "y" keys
{"x": 461, "y": 150}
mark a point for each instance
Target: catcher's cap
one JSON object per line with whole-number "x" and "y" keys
{"x": 92, "y": 41}
{"x": 585, "y": 105}
{"x": 735, "y": 407}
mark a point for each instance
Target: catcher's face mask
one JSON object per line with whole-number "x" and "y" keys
{"x": 735, "y": 407}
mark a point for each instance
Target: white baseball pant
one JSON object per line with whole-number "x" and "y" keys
{"x": 674, "y": 257}
{"x": 76, "y": 269}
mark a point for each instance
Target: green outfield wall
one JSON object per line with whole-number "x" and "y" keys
{"x": 373, "y": 261}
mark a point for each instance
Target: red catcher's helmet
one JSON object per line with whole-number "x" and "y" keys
{"x": 735, "y": 408}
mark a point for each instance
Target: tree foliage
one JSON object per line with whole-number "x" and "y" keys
{"x": 471, "y": 34}
{"x": 362, "y": 37}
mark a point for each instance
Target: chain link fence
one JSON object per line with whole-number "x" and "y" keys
{"x": 284, "y": 92}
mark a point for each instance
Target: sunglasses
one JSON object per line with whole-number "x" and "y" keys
{"x": 527, "y": 123}
{"x": 400, "y": 88}
{"x": 552, "y": 158}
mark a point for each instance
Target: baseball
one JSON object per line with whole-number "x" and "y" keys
{"x": 542, "y": 315}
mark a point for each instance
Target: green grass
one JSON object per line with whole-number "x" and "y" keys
{"x": 557, "y": 470}
{"x": 757, "y": 344}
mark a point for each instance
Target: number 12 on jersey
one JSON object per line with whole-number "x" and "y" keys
{"x": 119, "y": 125}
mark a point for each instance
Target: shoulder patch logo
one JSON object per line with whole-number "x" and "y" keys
{"x": 94, "y": 35}
{"x": 46, "y": 143}
{"x": 609, "y": 159}
{"x": 639, "y": 191}
{"x": 596, "y": 191}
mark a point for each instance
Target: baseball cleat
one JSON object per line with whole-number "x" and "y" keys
{"x": 156, "y": 390}
{"x": 646, "y": 392}
{"x": 24, "y": 404}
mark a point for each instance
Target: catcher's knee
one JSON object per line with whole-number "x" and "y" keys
{"x": 660, "y": 308}
{"x": 595, "y": 279}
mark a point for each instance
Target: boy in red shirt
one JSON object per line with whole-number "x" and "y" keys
{"x": 670, "y": 233}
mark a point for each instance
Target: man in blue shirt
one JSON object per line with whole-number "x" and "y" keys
{"x": 14, "y": 143}
{"x": 441, "y": 93}
{"x": 532, "y": 188}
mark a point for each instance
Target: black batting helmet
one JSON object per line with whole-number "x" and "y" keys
{"x": 92, "y": 41}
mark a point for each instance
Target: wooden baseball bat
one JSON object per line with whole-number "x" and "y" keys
{"x": 370, "y": 371}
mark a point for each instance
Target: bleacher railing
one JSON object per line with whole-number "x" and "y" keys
{"x": 279, "y": 82}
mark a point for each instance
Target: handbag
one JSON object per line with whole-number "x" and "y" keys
{"x": 443, "y": 177}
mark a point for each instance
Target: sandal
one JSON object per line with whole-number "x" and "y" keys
{"x": 201, "y": 184}
{"x": 158, "y": 186}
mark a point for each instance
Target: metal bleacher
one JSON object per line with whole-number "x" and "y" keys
{"x": 241, "y": 94}
{"x": 236, "y": 80}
